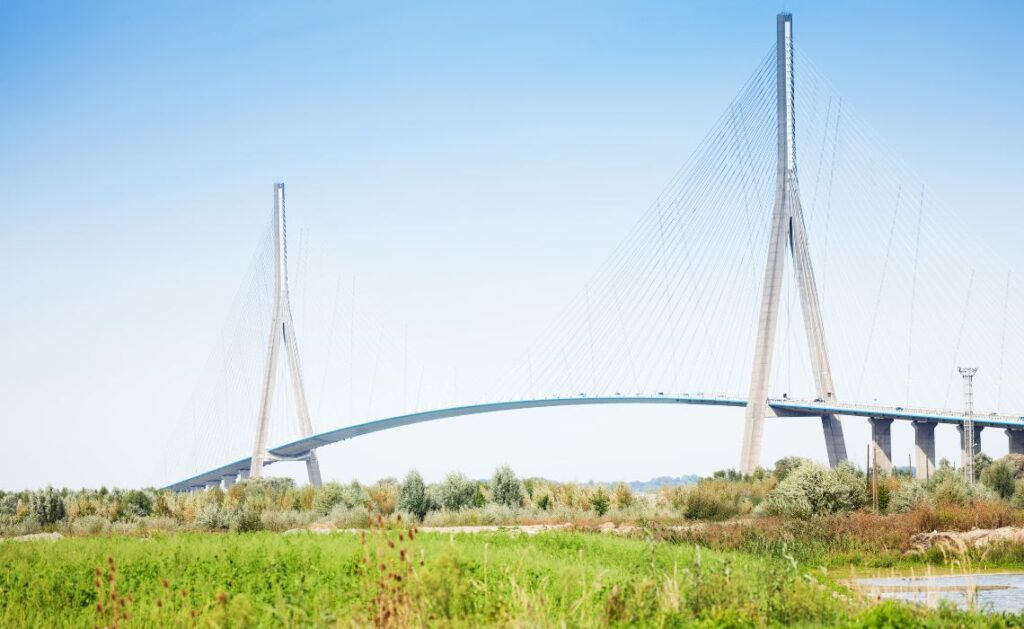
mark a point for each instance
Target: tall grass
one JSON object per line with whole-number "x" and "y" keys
{"x": 396, "y": 577}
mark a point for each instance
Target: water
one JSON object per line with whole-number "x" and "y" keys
{"x": 992, "y": 592}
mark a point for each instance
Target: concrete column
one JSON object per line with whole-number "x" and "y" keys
{"x": 229, "y": 480}
{"x": 211, "y": 484}
{"x": 243, "y": 475}
{"x": 881, "y": 442}
{"x": 977, "y": 441}
{"x": 1016, "y": 436}
{"x": 924, "y": 449}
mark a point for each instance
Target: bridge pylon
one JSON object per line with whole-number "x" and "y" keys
{"x": 788, "y": 231}
{"x": 282, "y": 331}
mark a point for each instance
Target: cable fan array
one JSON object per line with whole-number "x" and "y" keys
{"x": 906, "y": 297}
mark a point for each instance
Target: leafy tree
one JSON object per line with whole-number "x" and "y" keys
{"x": 600, "y": 501}
{"x": 999, "y": 478}
{"x": 456, "y": 492}
{"x": 137, "y": 503}
{"x": 506, "y": 487}
{"x": 9, "y": 504}
{"x": 786, "y": 465}
{"x": 330, "y": 495}
{"x": 981, "y": 463}
{"x": 907, "y": 496}
{"x": 327, "y": 497}
{"x": 47, "y": 506}
{"x": 412, "y": 497}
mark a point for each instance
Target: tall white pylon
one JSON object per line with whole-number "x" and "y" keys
{"x": 788, "y": 228}
{"x": 282, "y": 329}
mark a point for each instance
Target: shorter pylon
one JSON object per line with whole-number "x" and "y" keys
{"x": 282, "y": 330}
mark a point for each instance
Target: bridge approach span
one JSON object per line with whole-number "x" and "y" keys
{"x": 298, "y": 450}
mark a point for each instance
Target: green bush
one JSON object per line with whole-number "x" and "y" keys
{"x": 623, "y": 496}
{"x": 212, "y": 518}
{"x": 1018, "y": 494}
{"x": 330, "y": 495}
{"x": 949, "y": 486}
{"x": 9, "y": 505}
{"x": 907, "y": 496}
{"x": 456, "y": 492}
{"x": 708, "y": 502}
{"x": 47, "y": 506}
{"x": 246, "y": 520}
{"x": 355, "y": 518}
{"x": 812, "y": 490}
{"x": 137, "y": 503}
{"x": 600, "y": 501}
{"x": 999, "y": 478}
{"x": 90, "y": 525}
{"x": 412, "y": 497}
{"x": 506, "y": 487}
{"x": 786, "y": 465}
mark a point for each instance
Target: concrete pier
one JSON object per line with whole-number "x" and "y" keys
{"x": 881, "y": 442}
{"x": 924, "y": 449}
{"x": 977, "y": 443}
{"x": 229, "y": 480}
{"x": 1016, "y": 437}
{"x": 213, "y": 484}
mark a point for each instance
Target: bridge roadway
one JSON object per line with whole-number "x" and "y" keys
{"x": 880, "y": 416}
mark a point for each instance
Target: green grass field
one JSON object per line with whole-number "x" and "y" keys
{"x": 388, "y": 579}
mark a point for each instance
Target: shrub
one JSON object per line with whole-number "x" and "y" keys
{"x": 212, "y": 518}
{"x": 948, "y": 486}
{"x": 330, "y": 495}
{"x": 599, "y": 501}
{"x": 543, "y": 502}
{"x": 90, "y": 525}
{"x": 327, "y": 497}
{"x": 279, "y": 521}
{"x": 354, "y": 518}
{"x": 47, "y": 506}
{"x": 1016, "y": 463}
{"x": 623, "y": 496}
{"x": 907, "y": 497}
{"x": 999, "y": 478}
{"x": 1018, "y": 494}
{"x": 246, "y": 519}
{"x": 9, "y": 505}
{"x": 708, "y": 502}
{"x": 383, "y": 497}
{"x": 506, "y": 487}
{"x": 137, "y": 503}
{"x": 786, "y": 465}
{"x": 456, "y": 492}
{"x": 981, "y": 462}
{"x": 157, "y": 523}
{"x": 412, "y": 497}
{"x": 812, "y": 490}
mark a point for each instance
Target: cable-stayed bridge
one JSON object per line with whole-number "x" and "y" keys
{"x": 793, "y": 260}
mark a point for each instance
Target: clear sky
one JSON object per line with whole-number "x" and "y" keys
{"x": 464, "y": 161}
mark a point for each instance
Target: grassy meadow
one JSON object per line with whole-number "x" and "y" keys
{"x": 771, "y": 549}
{"x": 396, "y": 577}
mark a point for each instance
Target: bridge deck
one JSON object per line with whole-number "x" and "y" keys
{"x": 781, "y": 408}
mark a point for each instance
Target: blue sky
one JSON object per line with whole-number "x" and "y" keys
{"x": 437, "y": 152}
